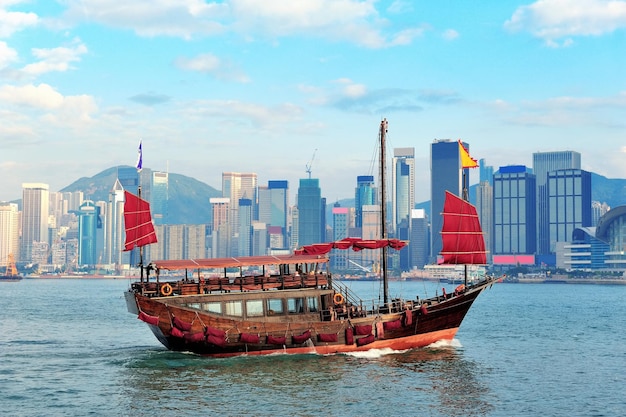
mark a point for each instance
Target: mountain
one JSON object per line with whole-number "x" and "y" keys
{"x": 188, "y": 198}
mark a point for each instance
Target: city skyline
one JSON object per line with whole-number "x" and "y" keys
{"x": 275, "y": 87}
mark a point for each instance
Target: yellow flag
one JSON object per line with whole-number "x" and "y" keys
{"x": 466, "y": 160}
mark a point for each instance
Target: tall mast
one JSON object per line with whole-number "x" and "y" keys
{"x": 383, "y": 208}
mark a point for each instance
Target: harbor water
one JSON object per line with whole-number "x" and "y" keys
{"x": 70, "y": 348}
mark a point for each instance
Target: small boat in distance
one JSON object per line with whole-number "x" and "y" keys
{"x": 10, "y": 274}
{"x": 290, "y": 303}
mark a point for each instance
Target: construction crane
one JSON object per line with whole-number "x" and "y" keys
{"x": 308, "y": 166}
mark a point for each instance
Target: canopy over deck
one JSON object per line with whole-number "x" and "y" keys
{"x": 216, "y": 263}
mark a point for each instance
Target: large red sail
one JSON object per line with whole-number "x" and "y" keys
{"x": 462, "y": 236}
{"x": 138, "y": 222}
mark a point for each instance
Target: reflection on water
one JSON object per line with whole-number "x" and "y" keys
{"x": 308, "y": 385}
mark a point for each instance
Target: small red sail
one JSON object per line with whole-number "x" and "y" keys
{"x": 462, "y": 236}
{"x": 138, "y": 222}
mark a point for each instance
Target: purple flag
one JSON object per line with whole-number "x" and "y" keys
{"x": 139, "y": 158}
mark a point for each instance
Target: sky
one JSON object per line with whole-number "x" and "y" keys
{"x": 274, "y": 87}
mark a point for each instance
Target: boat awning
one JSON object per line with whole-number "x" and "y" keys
{"x": 215, "y": 263}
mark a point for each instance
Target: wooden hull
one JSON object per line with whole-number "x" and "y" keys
{"x": 406, "y": 326}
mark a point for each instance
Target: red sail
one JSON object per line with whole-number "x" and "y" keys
{"x": 138, "y": 222}
{"x": 462, "y": 236}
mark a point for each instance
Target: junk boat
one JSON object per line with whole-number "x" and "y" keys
{"x": 263, "y": 305}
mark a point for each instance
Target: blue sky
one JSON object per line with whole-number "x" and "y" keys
{"x": 262, "y": 86}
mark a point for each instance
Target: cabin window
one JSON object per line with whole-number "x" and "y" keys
{"x": 254, "y": 308}
{"x": 233, "y": 308}
{"x": 311, "y": 303}
{"x": 295, "y": 305}
{"x": 197, "y": 306}
{"x": 274, "y": 306}
{"x": 213, "y": 307}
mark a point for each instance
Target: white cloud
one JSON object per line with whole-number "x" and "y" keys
{"x": 11, "y": 22}
{"x": 450, "y": 34}
{"x": 49, "y": 104}
{"x": 7, "y": 55}
{"x": 552, "y": 20}
{"x": 211, "y": 64}
{"x": 55, "y": 59}
{"x": 355, "y": 21}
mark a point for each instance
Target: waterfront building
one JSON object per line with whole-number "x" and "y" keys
{"x": 402, "y": 186}
{"x": 259, "y": 239}
{"x": 611, "y": 229}
{"x": 159, "y": 197}
{"x": 341, "y": 225}
{"x": 445, "y": 175}
{"x": 114, "y": 227}
{"x": 310, "y": 212}
{"x": 585, "y": 251}
{"x": 514, "y": 221}
{"x": 89, "y": 223}
{"x": 273, "y": 210}
{"x": 543, "y": 163}
{"x": 484, "y": 207}
{"x": 420, "y": 238}
{"x": 364, "y": 195}
{"x": 35, "y": 204}
{"x": 569, "y": 203}
{"x": 221, "y": 230}
{"x": 245, "y": 227}
{"x": 235, "y": 186}
{"x": 9, "y": 232}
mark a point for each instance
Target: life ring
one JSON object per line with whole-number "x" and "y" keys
{"x": 166, "y": 290}
{"x": 338, "y": 299}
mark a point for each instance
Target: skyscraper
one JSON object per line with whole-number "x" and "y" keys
{"x": 88, "y": 222}
{"x": 273, "y": 207}
{"x": 235, "y": 186}
{"x": 543, "y": 163}
{"x": 159, "y": 197}
{"x": 569, "y": 204}
{"x": 245, "y": 227}
{"x": 9, "y": 232}
{"x": 364, "y": 195}
{"x": 309, "y": 212}
{"x": 402, "y": 185}
{"x": 514, "y": 211}
{"x": 221, "y": 227}
{"x": 445, "y": 174}
{"x": 35, "y": 203}
{"x": 341, "y": 225}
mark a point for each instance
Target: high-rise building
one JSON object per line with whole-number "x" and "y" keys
{"x": 273, "y": 208}
{"x": 310, "y": 212}
{"x": 484, "y": 207}
{"x": 514, "y": 222}
{"x": 569, "y": 203}
{"x": 35, "y": 203}
{"x": 402, "y": 185}
{"x": 9, "y": 232}
{"x": 445, "y": 175}
{"x": 364, "y": 195}
{"x": 159, "y": 197}
{"x": 341, "y": 225}
{"x": 129, "y": 179}
{"x": 235, "y": 186}
{"x": 420, "y": 239}
{"x": 245, "y": 227}
{"x": 543, "y": 163}
{"x": 114, "y": 226}
{"x": 221, "y": 233}
{"x": 88, "y": 222}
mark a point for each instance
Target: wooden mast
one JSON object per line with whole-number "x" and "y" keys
{"x": 383, "y": 209}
